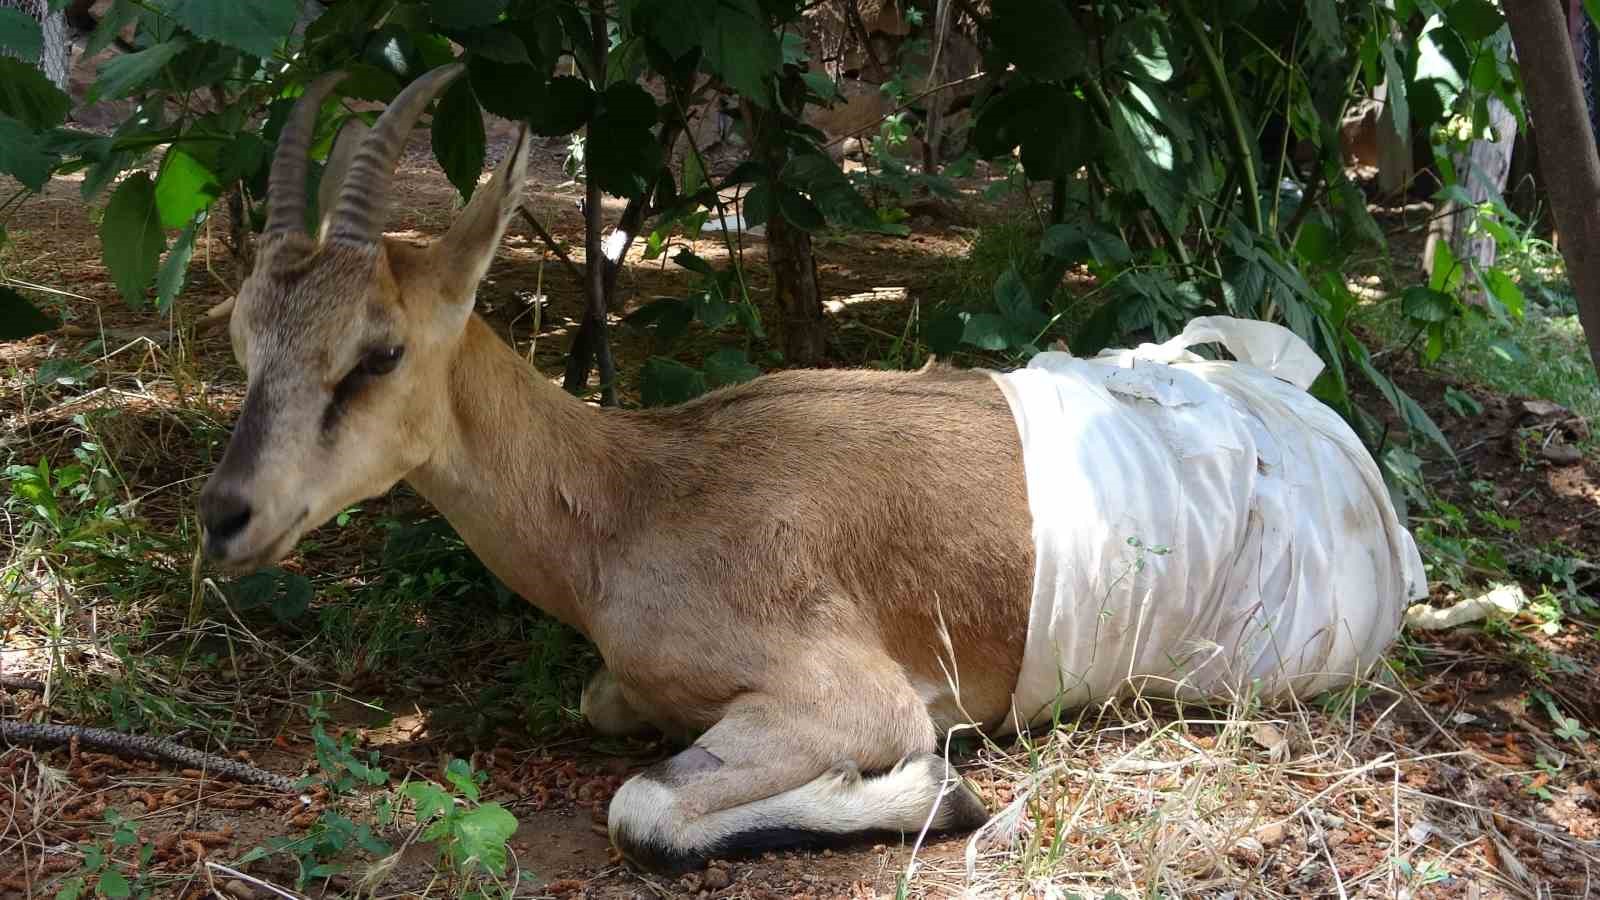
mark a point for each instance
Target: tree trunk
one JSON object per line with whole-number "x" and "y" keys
{"x": 56, "y": 55}
{"x": 1481, "y": 172}
{"x": 799, "y": 296}
{"x": 594, "y": 342}
{"x": 804, "y": 327}
{"x": 1567, "y": 155}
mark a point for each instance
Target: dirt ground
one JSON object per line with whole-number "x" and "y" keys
{"x": 1470, "y": 740}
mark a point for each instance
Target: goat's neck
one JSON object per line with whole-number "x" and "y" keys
{"x": 531, "y": 477}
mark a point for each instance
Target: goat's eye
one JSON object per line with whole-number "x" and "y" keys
{"x": 381, "y": 361}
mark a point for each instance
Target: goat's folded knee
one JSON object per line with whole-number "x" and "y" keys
{"x": 608, "y": 711}
{"x": 657, "y": 826}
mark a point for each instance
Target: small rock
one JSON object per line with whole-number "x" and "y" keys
{"x": 1544, "y": 409}
{"x": 1562, "y": 455}
{"x": 1251, "y": 847}
{"x": 237, "y": 888}
{"x": 1272, "y": 834}
{"x": 716, "y": 879}
{"x": 1267, "y": 735}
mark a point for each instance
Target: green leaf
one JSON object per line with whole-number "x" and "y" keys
{"x": 1412, "y": 414}
{"x": 499, "y": 44}
{"x": 113, "y": 885}
{"x": 1326, "y": 33}
{"x": 665, "y": 382}
{"x": 1143, "y": 41}
{"x": 565, "y": 104}
{"x": 483, "y": 833}
{"x": 799, "y": 211}
{"x": 1474, "y": 20}
{"x": 1148, "y": 154}
{"x": 430, "y": 799}
{"x": 1066, "y": 241}
{"x": 71, "y": 889}
{"x": 131, "y": 73}
{"x": 620, "y": 154}
{"x": 1462, "y": 403}
{"x": 1508, "y": 350}
{"x": 1504, "y": 289}
{"x": 28, "y": 96}
{"x": 62, "y": 371}
{"x": 1395, "y": 78}
{"x": 293, "y": 601}
{"x": 1422, "y": 304}
{"x": 740, "y": 48}
{"x": 1317, "y": 243}
{"x": 1053, "y": 128}
{"x": 826, "y": 89}
{"x": 1447, "y": 273}
{"x": 459, "y": 773}
{"x": 169, "y": 280}
{"x": 20, "y": 34}
{"x": 256, "y": 27}
{"x": 112, "y": 23}
{"x": 666, "y": 317}
{"x": 1012, "y": 299}
{"x": 465, "y": 13}
{"x": 131, "y": 238}
{"x": 835, "y": 196}
{"x": 729, "y": 366}
{"x": 184, "y": 187}
{"x": 458, "y": 137}
{"x": 20, "y": 319}
{"x": 23, "y": 155}
{"x": 1040, "y": 37}
{"x": 987, "y": 331}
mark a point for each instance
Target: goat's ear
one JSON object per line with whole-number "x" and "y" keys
{"x": 466, "y": 251}
{"x": 351, "y": 133}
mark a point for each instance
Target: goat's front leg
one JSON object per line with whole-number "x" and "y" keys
{"x": 773, "y": 775}
{"x": 608, "y": 710}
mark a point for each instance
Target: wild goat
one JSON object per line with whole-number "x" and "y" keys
{"x": 810, "y": 576}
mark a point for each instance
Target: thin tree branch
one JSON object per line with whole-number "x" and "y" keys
{"x": 133, "y": 745}
{"x": 544, "y": 235}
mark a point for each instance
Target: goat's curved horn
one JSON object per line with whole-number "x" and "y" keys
{"x": 364, "y": 200}
{"x": 286, "y": 184}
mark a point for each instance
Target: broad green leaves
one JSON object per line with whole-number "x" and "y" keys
{"x": 465, "y": 13}
{"x": 287, "y": 596}
{"x": 1016, "y": 30}
{"x": 169, "y": 281}
{"x": 256, "y": 27}
{"x": 621, "y": 153}
{"x": 130, "y": 73}
{"x": 20, "y": 34}
{"x": 131, "y": 236}
{"x": 458, "y": 137}
{"x": 1474, "y": 20}
{"x": 184, "y": 187}
{"x": 29, "y": 97}
{"x": 472, "y": 838}
{"x": 1052, "y": 126}
{"x": 736, "y": 42}
{"x": 23, "y": 154}
{"x": 20, "y": 319}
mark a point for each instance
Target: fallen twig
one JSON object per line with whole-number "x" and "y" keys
{"x": 143, "y": 747}
{"x": 21, "y": 683}
{"x": 550, "y": 241}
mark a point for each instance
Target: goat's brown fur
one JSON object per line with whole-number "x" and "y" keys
{"x": 771, "y": 570}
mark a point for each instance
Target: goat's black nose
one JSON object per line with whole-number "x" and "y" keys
{"x": 224, "y": 514}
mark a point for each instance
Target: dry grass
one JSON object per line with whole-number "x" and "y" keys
{"x": 1362, "y": 795}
